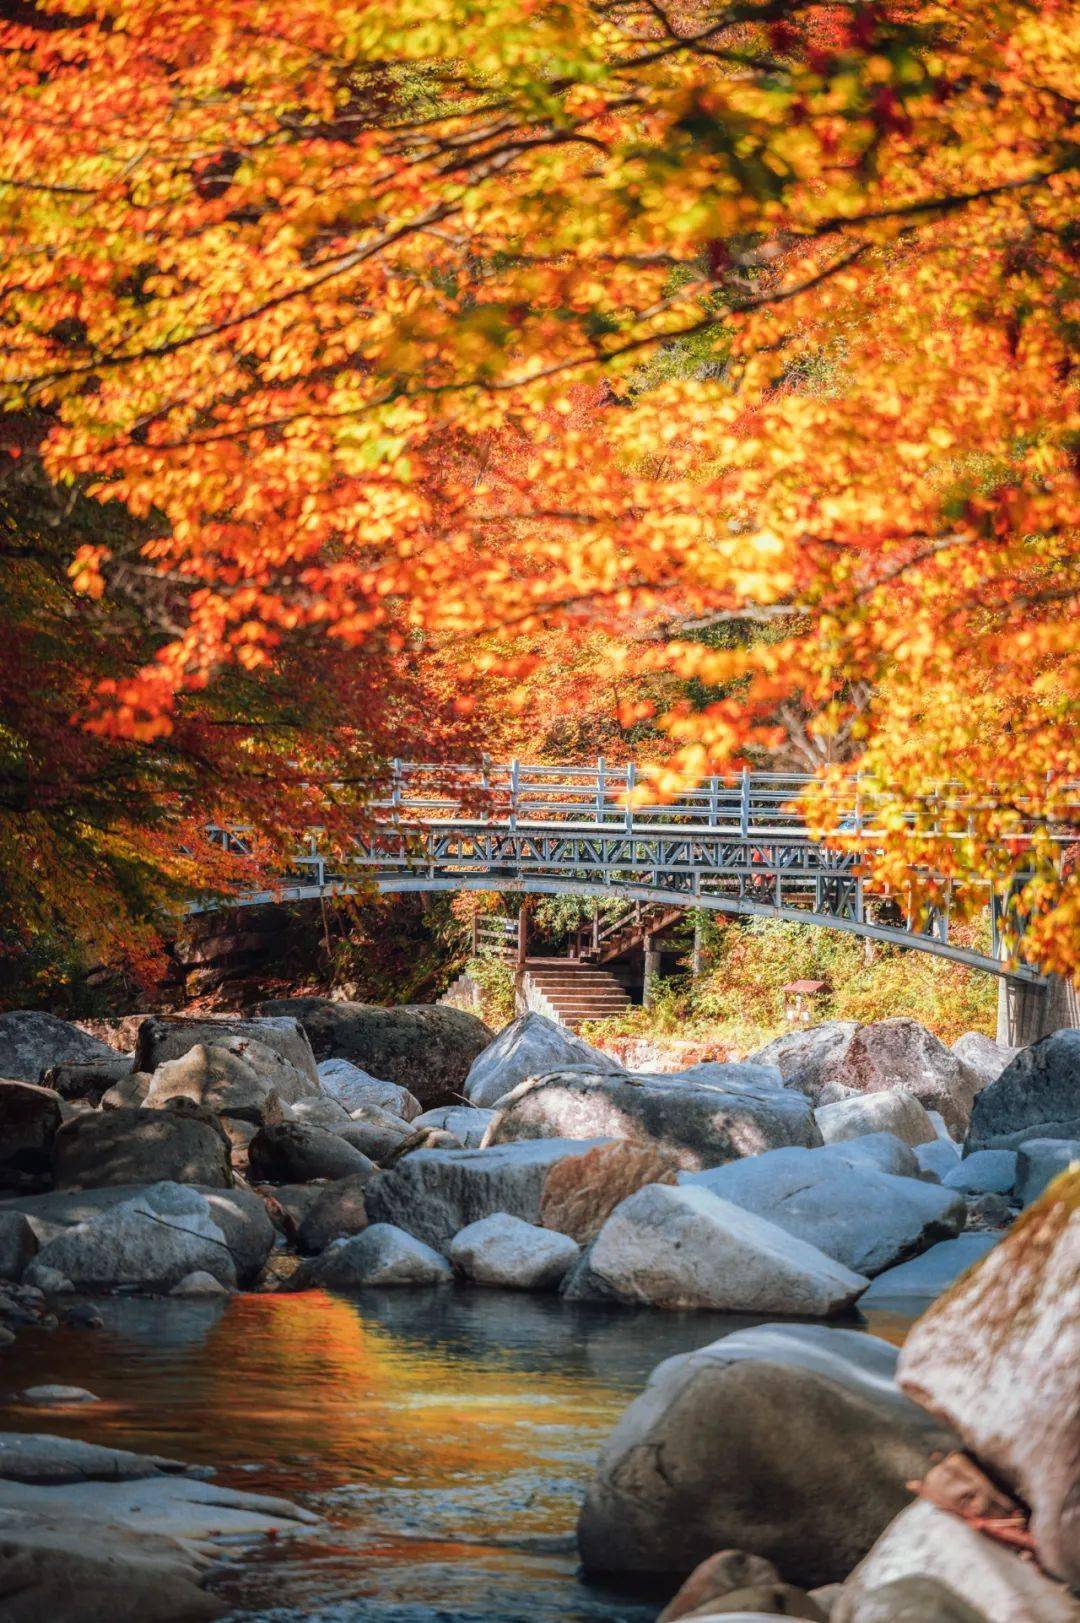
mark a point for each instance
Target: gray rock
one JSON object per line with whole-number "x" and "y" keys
{"x": 288, "y": 1204}
{"x": 985, "y": 1172}
{"x": 901, "y": 1053}
{"x": 530, "y": 1046}
{"x": 198, "y": 1284}
{"x": 865, "y": 1219}
{"x": 683, "y": 1247}
{"x": 29, "y": 1120}
{"x": 30, "y": 1043}
{"x": 988, "y": 1212}
{"x": 467, "y": 1123}
{"x": 924, "y": 1542}
{"x": 149, "y": 1241}
{"x": 353, "y": 1088}
{"x": 49, "y": 1280}
{"x": 1036, "y": 1096}
{"x": 47, "y": 1461}
{"x": 81, "y": 1570}
{"x": 791, "y": 1442}
{"x": 721, "y": 1574}
{"x": 761, "y": 1601}
{"x": 1039, "y": 1161}
{"x": 897, "y": 1113}
{"x": 914, "y": 1284}
{"x": 883, "y": 1152}
{"x": 129, "y": 1092}
{"x": 179, "y": 1507}
{"x": 504, "y": 1250}
{"x": 804, "y": 1058}
{"x": 45, "y": 1395}
{"x": 940, "y": 1157}
{"x": 998, "y": 1358}
{"x": 705, "y": 1116}
{"x": 18, "y": 1244}
{"x": 983, "y": 1055}
{"x": 912, "y": 1600}
{"x": 434, "y": 1194}
{"x": 167, "y": 1037}
{"x": 381, "y": 1255}
{"x": 339, "y": 1212}
{"x": 290, "y": 1152}
{"x": 321, "y": 1112}
{"x": 183, "y": 1144}
{"x": 87, "y": 1079}
{"x": 374, "y": 1132}
{"x": 427, "y": 1048}
{"x": 246, "y": 1079}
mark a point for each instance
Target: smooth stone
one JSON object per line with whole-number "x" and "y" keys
{"x": 923, "y": 1278}
{"x": 504, "y": 1250}
{"x": 897, "y": 1113}
{"x": 581, "y": 1192}
{"x": 380, "y": 1255}
{"x": 49, "y": 1280}
{"x": 924, "y": 1542}
{"x": 883, "y": 1152}
{"x": 912, "y": 1600}
{"x": 426, "y": 1048}
{"x": 791, "y": 1442}
{"x": 530, "y": 1046}
{"x": 162, "y": 1038}
{"x": 87, "y": 1080}
{"x": 865, "y": 1219}
{"x": 804, "y": 1057}
{"x": 375, "y": 1132}
{"x": 31, "y": 1043}
{"x": 901, "y": 1053}
{"x": 321, "y": 1112}
{"x": 985, "y": 1172}
{"x": 940, "y": 1157}
{"x": 352, "y": 1087}
{"x": 179, "y": 1507}
{"x": 198, "y": 1284}
{"x": 997, "y": 1357}
{"x": 715, "y": 1577}
{"x": 339, "y": 1212}
{"x": 128, "y": 1093}
{"x": 290, "y": 1152}
{"x": 183, "y": 1144}
{"x": 467, "y": 1123}
{"x": 150, "y": 1241}
{"x": 57, "y": 1394}
{"x": 436, "y": 1193}
{"x": 1039, "y": 1161}
{"x": 18, "y": 1244}
{"x": 246, "y": 1079}
{"x": 763, "y": 1601}
{"x": 683, "y": 1247}
{"x": 983, "y": 1055}
{"x": 704, "y": 1116}
{"x": 30, "y": 1118}
{"x": 1036, "y": 1096}
{"x": 40, "y": 1458}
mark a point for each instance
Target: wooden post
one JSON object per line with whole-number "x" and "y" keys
{"x": 514, "y": 775}
{"x": 631, "y": 777}
{"x": 522, "y": 936}
{"x": 652, "y": 971}
{"x": 475, "y": 935}
{"x": 695, "y": 961}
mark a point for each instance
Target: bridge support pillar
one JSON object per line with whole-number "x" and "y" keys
{"x": 1029, "y": 1010}
{"x": 652, "y": 971}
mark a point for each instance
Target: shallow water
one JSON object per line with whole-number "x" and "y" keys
{"x": 446, "y": 1435}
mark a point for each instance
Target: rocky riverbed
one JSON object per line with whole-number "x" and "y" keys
{"x": 323, "y": 1185}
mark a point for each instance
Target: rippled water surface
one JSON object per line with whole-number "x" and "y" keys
{"x": 445, "y": 1435}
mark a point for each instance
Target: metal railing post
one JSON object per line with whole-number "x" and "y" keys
{"x": 514, "y": 772}
{"x": 714, "y": 801}
{"x": 744, "y": 804}
{"x": 631, "y": 779}
{"x": 601, "y": 789}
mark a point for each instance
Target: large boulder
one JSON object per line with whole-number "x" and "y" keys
{"x": 247, "y": 1080}
{"x": 168, "y": 1037}
{"x": 47, "y": 1461}
{"x": 805, "y": 1057}
{"x": 240, "y": 1214}
{"x": 985, "y": 1172}
{"x": 150, "y": 1241}
{"x": 901, "y": 1053}
{"x": 292, "y": 1152}
{"x": 911, "y": 1286}
{"x": 686, "y": 1248}
{"x": 924, "y": 1542}
{"x": 504, "y": 1250}
{"x": 427, "y": 1048}
{"x": 581, "y": 1192}
{"x": 938, "y": 1158}
{"x": 998, "y": 1358}
{"x": 466, "y": 1122}
{"x": 983, "y": 1055}
{"x": 883, "y": 1152}
{"x": 339, "y": 1212}
{"x": 791, "y": 1442}
{"x": 530, "y": 1046}
{"x": 355, "y": 1089}
{"x": 375, "y": 1132}
{"x": 178, "y": 1145}
{"x": 435, "y": 1193}
{"x": 1039, "y": 1161}
{"x": 897, "y": 1113}
{"x": 30, "y": 1043}
{"x": 29, "y": 1119}
{"x": 1036, "y": 1096}
{"x": 866, "y": 1219}
{"x": 380, "y": 1255}
{"x": 704, "y": 1116}
{"x": 18, "y": 1244}
{"x": 87, "y": 1079}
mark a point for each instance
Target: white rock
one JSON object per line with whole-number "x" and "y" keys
{"x": 466, "y": 1122}
{"x": 986, "y": 1172}
{"x": 940, "y": 1157}
{"x": 198, "y": 1284}
{"x": 883, "y": 1152}
{"x": 682, "y": 1247}
{"x": 530, "y": 1046}
{"x": 983, "y": 1055}
{"x": 925, "y": 1541}
{"x": 896, "y": 1112}
{"x": 380, "y": 1255}
{"x": 865, "y": 1219}
{"x": 504, "y": 1250}
{"x": 58, "y": 1394}
{"x": 181, "y": 1507}
{"x": 1039, "y": 1161}
{"x": 352, "y": 1087}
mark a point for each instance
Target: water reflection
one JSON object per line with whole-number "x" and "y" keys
{"x": 446, "y": 1435}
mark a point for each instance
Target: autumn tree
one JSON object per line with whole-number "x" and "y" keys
{"x": 434, "y": 322}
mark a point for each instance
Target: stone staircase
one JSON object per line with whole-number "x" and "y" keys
{"x": 572, "y": 992}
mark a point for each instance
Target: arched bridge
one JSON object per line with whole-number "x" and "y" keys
{"x": 733, "y": 844}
